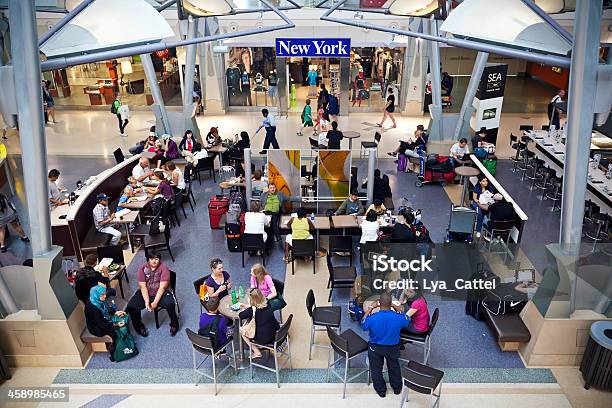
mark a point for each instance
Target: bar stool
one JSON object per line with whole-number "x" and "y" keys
{"x": 545, "y": 183}
{"x": 518, "y": 146}
{"x": 601, "y": 221}
{"x": 525, "y": 164}
{"x": 555, "y": 195}
{"x": 538, "y": 165}
{"x": 590, "y": 208}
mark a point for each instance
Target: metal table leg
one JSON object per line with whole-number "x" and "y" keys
{"x": 241, "y": 362}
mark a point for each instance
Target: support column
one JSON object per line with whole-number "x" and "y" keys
{"x": 247, "y": 176}
{"x": 435, "y": 108}
{"x": 470, "y": 93}
{"x": 159, "y": 105}
{"x": 580, "y": 113}
{"x": 371, "y": 168}
{"x": 24, "y": 46}
{"x": 345, "y": 86}
{"x": 202, "y": 58}
{"x": 190, "y": 62}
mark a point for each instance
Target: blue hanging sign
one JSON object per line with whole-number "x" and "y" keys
{"x": 313, "y": 47}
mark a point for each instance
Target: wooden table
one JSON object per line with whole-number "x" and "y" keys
{"x": 126, "y": 220}
{"x": 344, "y": 222}
{"x": 224, "y": 308}
{"x": 148, "y": 155}
{"x": 350, "y": 135}
{"x": 320, "y": 223}
{"x": 369, "y": 302}
{"x": 138, "y": 205}
{"x": 219, "y": 149}
{"x": 465, "y": 172}
{"x": 118, "y": 276}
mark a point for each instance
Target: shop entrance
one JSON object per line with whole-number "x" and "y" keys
{"x": 305, "y": 78}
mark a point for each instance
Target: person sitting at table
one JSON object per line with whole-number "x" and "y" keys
{"x": 300, "y": 229}
{"x": 141, "y": 172}
{"x": 255, "y": 222}
{"x": 418, "y": 312}
{"x": 266, "y": 324}
{"x": 177, "y": 179}
{"x": 98, "y": 317}
{"x": 369, "y": 228}
{"x": 164, "y": 188}
{"x": 87, "y": 277}
{"x": 258, "y": 186}
{"x": 500, "y": 210}
{"x": 218, "y": 283}
{"x": 189, "y": 146}
{"x": 261, "y": 279}
{"x": 378, "y": 207}
{"x": 272, "y": 202}
{"x": 153, "y": 291}
{"x": 351, "y": 206}
{"x": 478, "y": 139}
{"x": 208, "y": 318}
{"x": 150, "y": 143}
{"x": 459, "y": 152}
{"x": 126, "y": 195}
{"x": 55, "y": 193}
{"x": 482, "y": 187}
{"x": 380, "y": 187}
{"x": 170, "y": 149}
{"x": 403, "y": 230}
{"x": 409, "y": 147}
{"x": 334, "y": 136}
{"x": 213, "y": 138}
{"x": 104, "y": 220}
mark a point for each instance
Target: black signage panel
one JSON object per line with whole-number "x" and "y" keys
{"x": 492, "y": 82}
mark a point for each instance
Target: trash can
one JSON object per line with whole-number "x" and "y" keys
{"x": 596, "y": 366}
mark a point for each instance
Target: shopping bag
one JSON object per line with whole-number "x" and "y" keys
{"x": 125, "y": 346}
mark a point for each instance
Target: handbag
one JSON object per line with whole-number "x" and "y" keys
{"x": 248, "y": 330}
{"x": 277, "y": 303}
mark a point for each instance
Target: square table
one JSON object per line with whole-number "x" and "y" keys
{"x": 344, "y": 222}
{"x": 126, "y": 220}
{"x": 320, "y": 223}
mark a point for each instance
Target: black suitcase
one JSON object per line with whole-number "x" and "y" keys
{"x": 232, "y": 234}
{"x": 473, "y": 303}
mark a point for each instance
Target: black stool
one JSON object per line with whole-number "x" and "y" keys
{"x": 601, "y": 221}
{"x": 555, "y": 195}
{"x": 518, "y": 147}
{"x": 538, "y": 165}
{"x": 525, "y": 164}
{"x": 545, "y": 183}
{"x": 590, "y": 208}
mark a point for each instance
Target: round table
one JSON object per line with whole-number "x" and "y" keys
{"x": 224, "y": 309}
{"x": 369, "y": 302}
{"x": 465, "y": 172}
{"x": 350, "y": 135}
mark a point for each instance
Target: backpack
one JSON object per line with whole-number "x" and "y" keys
{"x": 420, "y": 232}
{"x": 356, "y": 312}
{"x": 210, "y": 331}
{"x": 115, "y": 107}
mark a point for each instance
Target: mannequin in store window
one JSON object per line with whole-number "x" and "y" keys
{"x": 272, "y": 84}
{"x": 245, "y": 84}
{"x": 359, "y": 88}
{"x": 312, "y": 81}
{"x": 232, "y": 75}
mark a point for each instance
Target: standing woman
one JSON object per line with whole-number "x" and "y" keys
{"x": 8, "y": 215}
{"x": 389, "y": 109}
{"x": 98, "y": 316}
{"x": 48, "y": 99}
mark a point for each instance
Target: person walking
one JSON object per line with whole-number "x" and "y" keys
{"x": 389, "y": 109}
{"x": 269, "y": 122}
{"x": 48, "y": 100}
{"x": 384, "y": 328}
{"x": 306, "y": 117}
{"x": 554, "y": 113}
{"x": 122, "y": 115}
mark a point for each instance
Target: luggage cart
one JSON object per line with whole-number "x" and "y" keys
{"x": 461, "y": 224}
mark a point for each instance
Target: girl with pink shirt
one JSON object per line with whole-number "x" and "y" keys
{"x": 261, "y": 279}
{"x": 417, "y": 311}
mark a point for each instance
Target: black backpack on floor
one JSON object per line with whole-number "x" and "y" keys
{"x": 232, "y": 234}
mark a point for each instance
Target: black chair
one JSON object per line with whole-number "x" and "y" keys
{"x": 339, "y": 277}
{"x": 204, "y": 346}
{"x": 179, "y": 198}
{"x": 205, "y": 164}
{"x": 348, "y": 345}
{"x": 422, "y": 379}
{"x": 369, "y": 145}
{"x": 497, "y": 233}
{"x": 119, "y": 157}
{"x": 173, "y": 291}
{"x": 518, "y": 147}
{"x": 342, "y": 244}
{"x": 189, "y": 195}
{"x": 423, "y": 339}
{"x": 279, "y": 348}
{"x": 525, "y": 128}
{"x": 280, "y": 288}
{"x": 160, "y": 241}
{"x": 546, "y": 127}
{"x": 115, "y": 252}
{"x": 253, "y": 242}
{"x": 303, "y": 247}
{"x": 555, "y": 195}
{"x": 172, "y": 214}
{"x": 320, "y": 318}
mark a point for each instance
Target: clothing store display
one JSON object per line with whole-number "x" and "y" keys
{"x": 232, "y": 76}
{"x": 245, "y": 86}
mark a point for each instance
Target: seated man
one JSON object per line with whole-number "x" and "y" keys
{"x": 351, "y": 206}
{"x": 459, "y": 152}
{"x": 378, "y": 207}
{"x": 154, "y": 291}
{"x": 500, "y": 210}
{"x": 141, "y": 172}
{"x": 272, "y": 202}
{"x": 104, "y": 219}
{"x": 217, "y": 332}
{"x": 334, "y": 136}
{"x": 478, "y": 139}
{"x": 87, "y": 277}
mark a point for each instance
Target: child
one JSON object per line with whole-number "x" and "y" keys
{"x": 306, "y": 117}
{"x": 321, "y": 124}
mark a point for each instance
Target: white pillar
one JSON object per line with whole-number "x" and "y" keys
{"x": 147, "y": 64}
{"x": 470, "y": 93}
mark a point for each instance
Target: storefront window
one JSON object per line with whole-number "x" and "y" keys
{"x": 100, "y": 83}
{"x": 251, "y": 76}
{"x": 373, "y": 72}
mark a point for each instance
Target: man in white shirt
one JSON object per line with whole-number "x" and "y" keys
{"x": 459, "y": 152}
{"x": 55, "y": 193}
{"x": 269, "y": 122}
{"x": 141, "y": 172}
{"x": 554, "y": 113}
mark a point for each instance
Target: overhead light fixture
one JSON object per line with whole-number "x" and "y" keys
{"x": 207, "y": 8}
{"x": 551, "y": 6}
{"x": 413, "y": 8}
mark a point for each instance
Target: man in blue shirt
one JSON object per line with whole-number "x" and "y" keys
{"x": 384, "y": 329}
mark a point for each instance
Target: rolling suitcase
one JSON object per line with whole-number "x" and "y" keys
{"x": 233, "y": 234}
{"x": 217, "y": 206}
{"x": 402, "y": 160}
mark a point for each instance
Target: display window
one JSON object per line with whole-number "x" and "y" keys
{"x": 373, "y": 71}
{"x": 101, "y": 82}
{"x": 251, "y": 76}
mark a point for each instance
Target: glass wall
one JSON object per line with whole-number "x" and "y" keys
{"x": 251, "y": 76}
{"x": 99, "y": 83}
{"x": 373, "y": 72}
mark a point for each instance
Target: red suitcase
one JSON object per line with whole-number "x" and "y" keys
{"x": 217, "y": 206}
{"x": 372, "y": 3}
